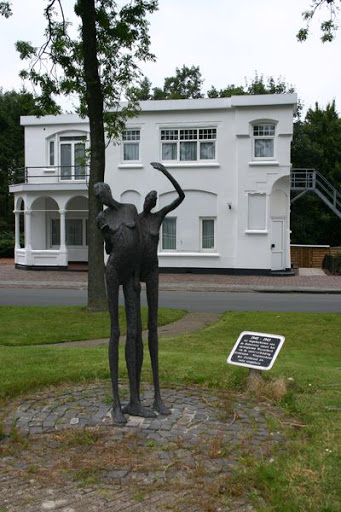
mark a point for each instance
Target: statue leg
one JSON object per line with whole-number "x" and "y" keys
{"x": 139, "y": 343}
{"x": 112, "y": 290}
{"x": 133, "y": 352}
{"x": 152, "y": 288}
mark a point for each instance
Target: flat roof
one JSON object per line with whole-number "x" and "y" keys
{"x": 251, "y": 100}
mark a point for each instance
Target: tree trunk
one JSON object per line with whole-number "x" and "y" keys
{"x": 96, "y": 287}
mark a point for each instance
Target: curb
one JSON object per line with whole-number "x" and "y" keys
{"x": 193, "y": 287}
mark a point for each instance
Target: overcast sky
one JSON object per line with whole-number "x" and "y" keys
{"x": 228, "y": 39}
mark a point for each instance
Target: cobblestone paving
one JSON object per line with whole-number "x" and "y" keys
{"x": 61, "y": 451}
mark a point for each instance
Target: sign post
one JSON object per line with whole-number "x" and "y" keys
{"x": 256, "y": 351}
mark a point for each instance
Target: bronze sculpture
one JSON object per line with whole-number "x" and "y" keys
{"x": 150, "y": 224}
{"x": 131, "y": 240}
{"x": 120, "y": 227}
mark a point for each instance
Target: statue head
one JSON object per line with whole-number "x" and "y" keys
{"x": 103, "y": 192}
{"x": 150, "y": 201}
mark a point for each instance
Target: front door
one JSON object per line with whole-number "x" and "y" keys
{"x": 277, "y": 242}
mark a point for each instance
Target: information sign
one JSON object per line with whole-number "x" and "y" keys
{"x": 256, "y": 350}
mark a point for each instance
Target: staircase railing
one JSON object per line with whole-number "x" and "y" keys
{"x": 303, "y": 180}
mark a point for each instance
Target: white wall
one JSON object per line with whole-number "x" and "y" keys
{"x": 210, "y": 187}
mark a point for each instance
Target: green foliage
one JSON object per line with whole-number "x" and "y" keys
{"x": 142, "y": 91}
{"x": 317, "y": 145}
{"x": 227, "y": 92}
{"x": 186, "y": 83}
{"x": 257, "y": 85}
{"x": 121, "y": 39}
{"x": 12, "y": 105}
{"x": 6, "y": 244}
{"x": 5, "y": 9}
{"x": 328, "y": 26}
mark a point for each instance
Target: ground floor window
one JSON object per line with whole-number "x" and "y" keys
{"x": 75, "y": 232}
{"x": 169, "y": 233}
{"x": 257, "y": 212}
{"x": 207, "y": 234}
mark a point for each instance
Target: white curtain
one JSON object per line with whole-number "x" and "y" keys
{"x": 131, "y": 152}
{"x": 169, "y": 233}
{"x": 188, "y": 151}
{"x": 208, "y": 234}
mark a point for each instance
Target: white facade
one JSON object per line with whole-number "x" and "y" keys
{"x": 231, "y": 156}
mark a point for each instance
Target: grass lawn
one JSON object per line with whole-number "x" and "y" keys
{"x": 306, "y": 478}
{"x": 42, "y": 325}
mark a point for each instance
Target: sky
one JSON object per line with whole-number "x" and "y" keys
{"x": 229, "y": 40}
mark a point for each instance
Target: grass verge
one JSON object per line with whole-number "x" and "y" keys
{"x": 43, "y": 325}
{"x": 305, "y": 476}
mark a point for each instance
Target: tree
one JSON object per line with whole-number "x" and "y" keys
{"x": 98, "y": 66}
{"x": 317, "y": 145}
{"x": 142, "y": 91}
{"x": 328, "y": 26}
{"x": 258, "y": 85}
{"x": 12, "y": 105}
{"x": 230, "y": 90}
{"x": 186, "y": 83}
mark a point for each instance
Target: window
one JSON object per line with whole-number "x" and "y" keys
{"x": 72, "y": 157}
{"x": 207, "y": 234}
{"x": 131, "y": 145}
{"x": 189, "y": 145}
{"x": 67, "y": 152}
{"x": 51, "y": 152}
{"x": 74, "y": 231}
{"x": 257, "y": 212}
{"x": 264, "y": 136}
{"x": 169, "y": 233}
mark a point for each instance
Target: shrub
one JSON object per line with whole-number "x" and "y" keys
{"x": 7, "y": 242}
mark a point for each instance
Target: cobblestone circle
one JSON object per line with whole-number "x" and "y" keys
{"x": 61, "y": 451}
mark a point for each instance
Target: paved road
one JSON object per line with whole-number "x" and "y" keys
{"x": 215, "y": 302}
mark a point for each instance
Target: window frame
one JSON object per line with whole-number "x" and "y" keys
{"x": 267, "y": 125}
{"x": 264, "y": 228}
{"x": 53, "y": 153}
{"x": 84, "y": 237}
{"x": 168, "y": 218}
{"x": 185, "y": 135}
{"x": 131, "y": 142}
{"x": 207, "y": 249}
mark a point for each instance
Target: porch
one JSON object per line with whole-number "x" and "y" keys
{"x": 50, "y": 224}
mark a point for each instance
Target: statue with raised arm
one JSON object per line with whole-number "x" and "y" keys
{"x": 150, "y": 224}
{"x": 119, "y": 224}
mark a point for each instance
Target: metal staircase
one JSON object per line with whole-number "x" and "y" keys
{"x": 304, "y": 180}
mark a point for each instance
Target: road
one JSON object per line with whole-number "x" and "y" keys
{"x": 215, "y": 302}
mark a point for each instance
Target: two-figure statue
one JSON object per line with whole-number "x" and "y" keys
{"x": 131, "y": 240}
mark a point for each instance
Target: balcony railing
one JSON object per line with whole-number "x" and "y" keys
{"x": 51, "y": 174}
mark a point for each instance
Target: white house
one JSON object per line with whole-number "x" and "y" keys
{"x": 231, "y": 156}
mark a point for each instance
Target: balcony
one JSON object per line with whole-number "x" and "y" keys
{"x": 51, "y": 174}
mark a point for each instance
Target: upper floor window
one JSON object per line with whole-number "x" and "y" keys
{"x": 72, "y": 157}
{"x": 264, "y": 140}
{"x": 67, "y": 151}
{"x": 188, "y": 145}
{"x": 131, "y": 145}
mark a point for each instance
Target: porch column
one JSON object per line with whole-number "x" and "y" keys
{"x": 17, "y": 230}
{"x": 28, "y": 233}
{"x": 62, "y": 231}
{"x": 28, "y": 244}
